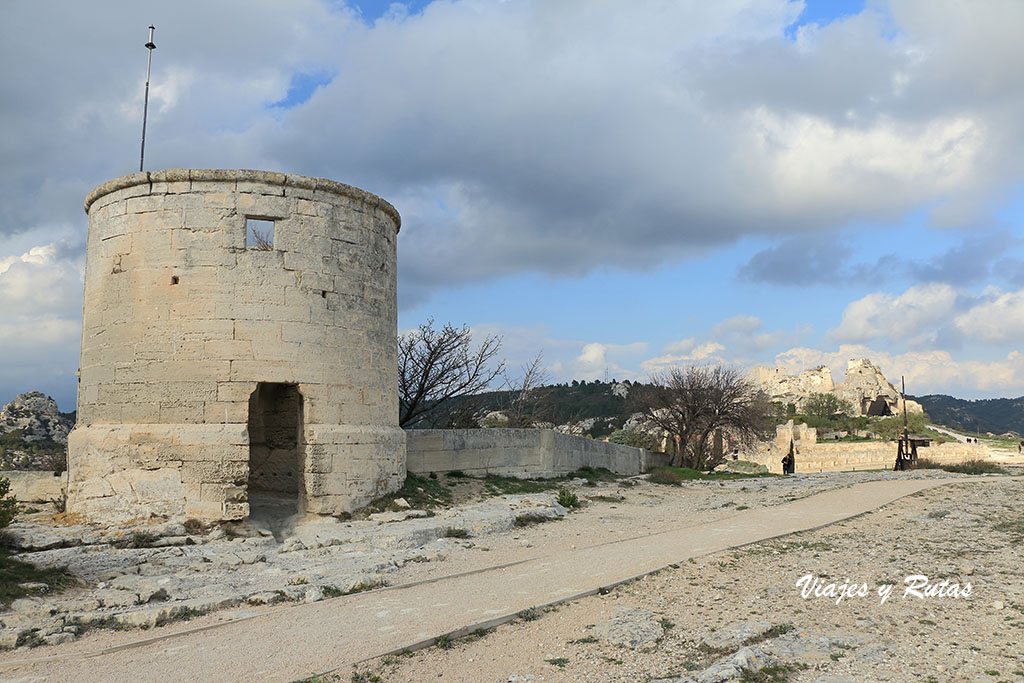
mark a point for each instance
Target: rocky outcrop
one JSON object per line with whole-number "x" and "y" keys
{"x": 864, "y": 387}
{"x": 867, "y": 390}
{"x": 794, "y": 389}
{"x": 37, "y": 416}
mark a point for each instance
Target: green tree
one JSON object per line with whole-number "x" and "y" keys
{"x": 8, "y": 505}
{"x": 635, "y": 438}
{"x": 826, "y": 406}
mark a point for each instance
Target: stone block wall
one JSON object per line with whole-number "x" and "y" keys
{"x": 516, "y": 452}
{"x": 182, "y": 320}
{"x": 32, "y": 486}
{"x": 845, "y": 457}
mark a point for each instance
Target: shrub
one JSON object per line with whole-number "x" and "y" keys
{"x": 568, "y": 499}
{"x": 975, "y": 467}
{"x": 452, "y": 532}
{"x": 8, "y": 505}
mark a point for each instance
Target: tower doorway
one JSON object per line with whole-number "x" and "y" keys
{"x": 275, "y": 454}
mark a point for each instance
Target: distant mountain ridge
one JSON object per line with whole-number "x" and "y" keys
{"x": 996, "y": 415}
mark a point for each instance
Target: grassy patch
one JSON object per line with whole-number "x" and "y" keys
{"x": 497, "y": 485}
{"x": 774, "y": 632}
{"x": 606, "y": 499}
{"x": 422, "y": 493}
{"x": 452, "y": 532}
{"x": 1014, "y": 527}
{"x": 560, "y": 662}
{"x": 775, "y": 673}
{"x": 976, "y": 466}
{"x": 530, "y": 518}
{"x": 14, "y": 572}
{"x": 687, "y": 474}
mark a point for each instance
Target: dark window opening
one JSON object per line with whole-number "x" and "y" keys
{"x": 259, "y": 234}
{"x": 174, "y": 279}
{"x": 323, "y": 293}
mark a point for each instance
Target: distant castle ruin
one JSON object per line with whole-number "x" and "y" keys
{"x": 864, "y": 388}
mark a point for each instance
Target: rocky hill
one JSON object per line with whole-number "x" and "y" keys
{"x": 31, "y": 430}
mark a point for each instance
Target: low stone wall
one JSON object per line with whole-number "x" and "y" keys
{"x": 516, "y": 452}
{"x": 845, "y": 457}
{"x": 33, "y": 486}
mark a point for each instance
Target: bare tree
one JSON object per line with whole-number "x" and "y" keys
{"x": 436, "y": 367}
{"x": 521, "y": 401}
{"x": 691, "y": 404}
{"x": 262, "y": 241}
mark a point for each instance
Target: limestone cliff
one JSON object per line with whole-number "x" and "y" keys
{"x": 794, "y": 389}
{"x": 864, "y": 387}
{"x": 37, "y": 415}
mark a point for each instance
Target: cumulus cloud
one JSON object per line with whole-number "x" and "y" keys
{"x": 40, "y": 309}
{"x": 684, "y": 354}
{"x": 998, "y": 318}
{"x": 921, "y": 308}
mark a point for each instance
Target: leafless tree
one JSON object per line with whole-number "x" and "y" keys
{"x": 521, "y": 400}
{"x": 262, "y": 241}
{"x": 690, "y": 404}
{"x": 436, "y": 367}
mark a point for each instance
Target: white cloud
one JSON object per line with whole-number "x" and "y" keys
{"x": 40, "y": 325}
{"x": 997, "y": 319}
{"x": 921, "y": 308}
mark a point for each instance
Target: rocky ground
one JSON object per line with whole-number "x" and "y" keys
{"x": 679, "y": 622}
{"x": 706, "y": 620}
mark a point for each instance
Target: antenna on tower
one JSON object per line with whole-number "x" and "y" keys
{"x": 150, "y": 45}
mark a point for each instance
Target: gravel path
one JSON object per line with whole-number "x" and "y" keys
{"x": 646, "y": 508}
{"x": 706, "y": 608}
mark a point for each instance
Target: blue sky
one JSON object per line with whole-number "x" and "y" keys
{"x": 624, "y": 186}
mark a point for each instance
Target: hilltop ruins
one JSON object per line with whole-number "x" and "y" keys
{"x": 864, "y": 387}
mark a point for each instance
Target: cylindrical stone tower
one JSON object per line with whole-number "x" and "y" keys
{"x": 238, "y": 348}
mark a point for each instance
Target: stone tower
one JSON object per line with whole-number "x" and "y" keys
{"x": 238, "y": 348}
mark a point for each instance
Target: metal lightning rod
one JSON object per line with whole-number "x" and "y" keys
{"x": 145, "y": 106}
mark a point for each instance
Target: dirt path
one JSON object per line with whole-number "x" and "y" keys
{"x": 293, "y": 643}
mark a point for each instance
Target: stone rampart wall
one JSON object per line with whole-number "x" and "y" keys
{"x": 33, "y": 486}
{"x": 516, "y": 452}
{"x": 844, "y": 457}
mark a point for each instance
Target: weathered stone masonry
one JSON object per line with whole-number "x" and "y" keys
{"x": 192, "y": 343}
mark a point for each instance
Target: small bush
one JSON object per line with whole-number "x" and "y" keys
{"x": 662, "y": 475}
{"x": 452, "y": 532}
{"x": 568, "y": 499}
{"x": 194, "y": 526}
{"x": 529, "y": 614}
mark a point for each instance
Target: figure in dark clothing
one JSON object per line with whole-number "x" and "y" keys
{"x": 789, "y": 461}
